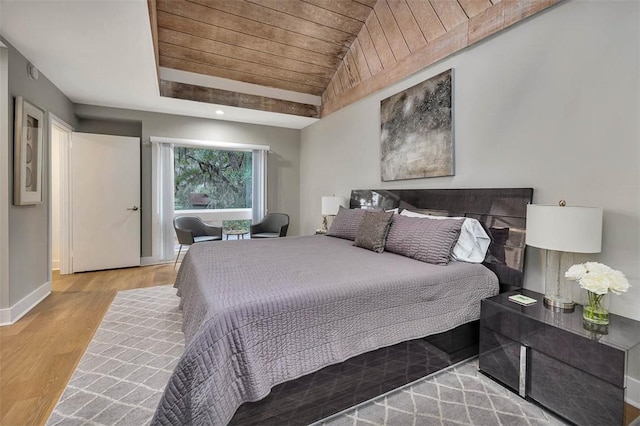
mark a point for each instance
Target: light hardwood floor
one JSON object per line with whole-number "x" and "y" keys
{"x": 39, "y": 353}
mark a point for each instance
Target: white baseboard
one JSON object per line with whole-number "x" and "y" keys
{"x": 5, "y": 316}
{"x": 632, "y": 394}
{"x": 55, "y": 265}
{"x": 146, "y": 261}
{"x": 10, "y": 315}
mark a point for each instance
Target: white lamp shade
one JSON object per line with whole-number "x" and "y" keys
{"x": 569, "y": 229}
{"x": 331, "y": 205}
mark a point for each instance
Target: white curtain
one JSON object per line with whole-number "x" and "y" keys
{"x": 163, "y": 203}
{"x": 259, "y": 195}
{"x": 168, "y": 205}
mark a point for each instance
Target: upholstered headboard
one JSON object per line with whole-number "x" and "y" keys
{"x": 502, "y": 212}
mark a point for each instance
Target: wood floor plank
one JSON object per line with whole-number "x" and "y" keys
{"x": 630, "y": 414}
{"x": 39, "y": 353}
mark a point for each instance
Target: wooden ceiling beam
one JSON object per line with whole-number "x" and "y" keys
{"x": 277, "y": 19}
{"x": 351, "y": 8}
{"x": 343, "y": 50}
{"x": 312, "y": 13}
{"x": 427, "y": 19}
{"x": 431, "y": 53}
{"x": 449, "y": 12}
{"x": 474, "y": 7}
{"x": 369, "y": 51}
{"x": 407, "y": 24}
{"x": 370, "y": 3}
{"x": 361, "y": 62}
{"x": 200, "y": 68}
{"x": 260, "y": 59}
{"x": 190, "y": 92}
{"x": 242, "y": 67}
{"x": 380, "y": 42}
{"x": 250, "y": 42}
{"x": 391, "y": 30}
{"x": 467, "y": 31}
{"x": 217, "y": 18}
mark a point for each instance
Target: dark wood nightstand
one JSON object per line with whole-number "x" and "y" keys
{"x": 555, "y": 360}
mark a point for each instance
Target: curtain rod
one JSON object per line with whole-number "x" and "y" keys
{"x": 210, "y": 144}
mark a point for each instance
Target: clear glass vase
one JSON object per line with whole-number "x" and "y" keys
{"x": 596, "y": 310}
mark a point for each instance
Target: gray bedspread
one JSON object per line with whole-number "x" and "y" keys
{"x": 261, "y": 312}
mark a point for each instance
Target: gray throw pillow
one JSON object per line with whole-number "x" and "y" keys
{"x": 345, "y": 224}
{"x": 372, "y": 231}
{"x": 424, "y": 239}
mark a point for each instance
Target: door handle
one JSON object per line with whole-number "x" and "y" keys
{"x": 134, "y": 208}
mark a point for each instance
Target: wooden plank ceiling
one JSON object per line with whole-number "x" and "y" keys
{"x": 341, "y": 50}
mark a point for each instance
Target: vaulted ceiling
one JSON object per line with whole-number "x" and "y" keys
{"x": 333, "y": 51}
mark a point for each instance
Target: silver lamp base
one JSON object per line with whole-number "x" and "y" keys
{"x": 324, "y": 229}
{"x": 557, "y": 292}
{"x": 558, "y": 305}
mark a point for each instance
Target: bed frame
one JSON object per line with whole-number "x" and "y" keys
{"x": 334, "y": 388}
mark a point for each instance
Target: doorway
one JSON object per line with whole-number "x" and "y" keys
{"x": 60, "y": 211}
{"x": 95, "y": 193}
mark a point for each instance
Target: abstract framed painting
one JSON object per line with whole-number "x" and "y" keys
{"x": 416, "y": 135}
{"x": 27, "y": 153}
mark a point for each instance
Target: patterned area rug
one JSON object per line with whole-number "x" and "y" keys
{"x": 458, "y": 395}
{"x": 122, "y": 375}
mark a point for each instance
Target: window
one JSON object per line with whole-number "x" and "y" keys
{"x": 233, "y": 176}
{"x": 212, "y": 179}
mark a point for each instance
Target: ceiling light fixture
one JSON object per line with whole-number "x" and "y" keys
{"x": 219, "y": 112}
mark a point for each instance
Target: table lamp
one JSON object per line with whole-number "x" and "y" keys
{"x": 561, "y": 231}
{"x": 330, "y": 207}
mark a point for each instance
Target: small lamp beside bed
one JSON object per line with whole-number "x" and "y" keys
{"x": 562, "y": 231}
{"x": 330, "y": 206}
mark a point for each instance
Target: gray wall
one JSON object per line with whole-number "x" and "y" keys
{"x": 550, "y": 104}
{"x": 284, "y": 157}
{"x": 110, "y": 127}
{"x": 29, "y": 225}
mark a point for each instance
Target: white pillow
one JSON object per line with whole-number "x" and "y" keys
{"x": 473, "y": 242}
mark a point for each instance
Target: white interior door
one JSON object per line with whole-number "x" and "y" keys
{"x": 105, "y": 198}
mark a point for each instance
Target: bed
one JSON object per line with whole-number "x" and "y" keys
{"x": 261, "y": 313}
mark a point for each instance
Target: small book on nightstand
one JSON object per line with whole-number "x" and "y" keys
{"x": 522, "y": 300}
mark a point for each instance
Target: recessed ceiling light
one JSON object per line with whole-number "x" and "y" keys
{"x": 219, "y": 112}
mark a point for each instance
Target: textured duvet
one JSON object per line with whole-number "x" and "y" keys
{"x": 261, "y": 312}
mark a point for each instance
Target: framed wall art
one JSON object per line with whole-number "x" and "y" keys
{"x": 27, "y": 153}
{"x": 416, "y": 135}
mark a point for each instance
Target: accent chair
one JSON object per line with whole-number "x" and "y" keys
{"x": 273, "y": 225}
{"x": 191, "y": 230}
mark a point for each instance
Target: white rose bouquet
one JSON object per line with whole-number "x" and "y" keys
{"x": 598, "y": 280}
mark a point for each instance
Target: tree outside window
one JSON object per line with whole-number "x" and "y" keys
{"x": 212, "y": 179}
